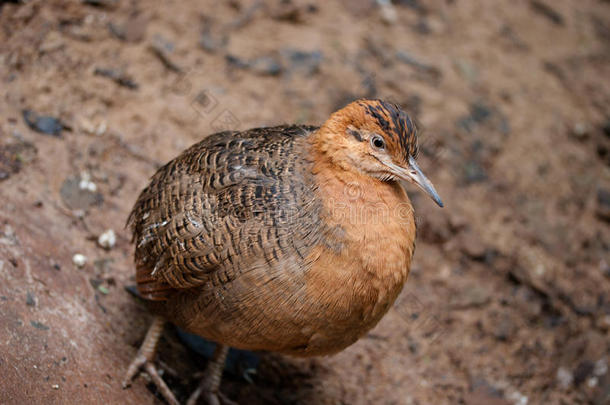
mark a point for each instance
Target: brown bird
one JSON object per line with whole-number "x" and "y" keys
{"x": 291, "y": 239}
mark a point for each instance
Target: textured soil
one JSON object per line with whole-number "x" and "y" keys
{"x": 508, "y": 301}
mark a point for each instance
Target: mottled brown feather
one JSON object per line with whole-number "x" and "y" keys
{"x": 227, "y": 200}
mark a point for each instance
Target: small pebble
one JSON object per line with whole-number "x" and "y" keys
{"x": 94, "y": 129}
{"x": 30, "y": 300}
{"x": 266, "y": 65}
{"x": 79, "y": 193}
{"x": 564, "y": 377}
{"x": 55, "y": 386}
{"x": 601, "y": 368}
{"x": 43, "y": 124}
{"x": 518, "y": 398}
{"x": 79, "y": 260}
{"x": 86, "y": 183}
{"x": 119, "y": 77}
{"x": 107, "y": 240}
{"x": 387, "y": 11}
{"x": 39, "y": 325}
{"x": 304, "y": 62}
{"x": 580, "y": 130}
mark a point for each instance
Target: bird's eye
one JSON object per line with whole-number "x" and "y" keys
{"x": 378, "y": 142}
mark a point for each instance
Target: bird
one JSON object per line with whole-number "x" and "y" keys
{"x": 293, "y": 239}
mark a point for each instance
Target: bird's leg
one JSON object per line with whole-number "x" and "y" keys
{"x": 210, "y": 383}
{"x": 144, "y": 360}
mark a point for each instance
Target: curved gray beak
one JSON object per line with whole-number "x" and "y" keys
{"x": 414, "y": 175}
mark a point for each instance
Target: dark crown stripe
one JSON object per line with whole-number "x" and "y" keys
{"x": 394, "y": 122}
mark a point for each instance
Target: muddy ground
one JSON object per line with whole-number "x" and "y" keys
{"x": 508, "y": 301}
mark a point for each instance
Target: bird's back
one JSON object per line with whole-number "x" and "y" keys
{"x": 232, "y": 202}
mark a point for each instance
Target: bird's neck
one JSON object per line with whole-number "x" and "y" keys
{"x": 328, "y": 148}
{"x": 348, "y": 184}
{"x": 357, "y": 202}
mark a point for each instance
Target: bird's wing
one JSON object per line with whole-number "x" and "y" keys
{"x": 228, "y": 201}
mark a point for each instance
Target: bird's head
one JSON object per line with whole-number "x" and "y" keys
{"x": 375, "y": 138}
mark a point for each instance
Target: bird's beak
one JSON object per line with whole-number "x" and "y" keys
{"x": 414, "y": 175}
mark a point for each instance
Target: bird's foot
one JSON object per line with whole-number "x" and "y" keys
{"x": 209, "y": 397}
{"x": 210, "y": 383}
{"x": 144, "y": 361}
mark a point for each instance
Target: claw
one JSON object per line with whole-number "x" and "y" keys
{"x": 134, "y": 368}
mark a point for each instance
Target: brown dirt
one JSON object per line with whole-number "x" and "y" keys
{"x": 509, "y": 297}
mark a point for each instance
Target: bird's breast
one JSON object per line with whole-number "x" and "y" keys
{"x": 371, "y": 226}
